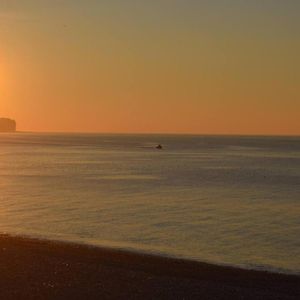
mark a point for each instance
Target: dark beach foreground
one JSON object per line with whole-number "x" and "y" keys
{"x": 35, "y": 269}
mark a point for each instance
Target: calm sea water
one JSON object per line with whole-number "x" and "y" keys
{"x": 226, "y": 200}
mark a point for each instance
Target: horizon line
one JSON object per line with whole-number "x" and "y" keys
{"x": 160, "y": 133}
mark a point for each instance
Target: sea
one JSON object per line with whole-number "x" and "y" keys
{"x": 227, "y": 200}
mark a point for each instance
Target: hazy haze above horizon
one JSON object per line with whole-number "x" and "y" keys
{"x": 214, "y": 67}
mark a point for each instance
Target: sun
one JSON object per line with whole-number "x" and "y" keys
{"x": 6, "y": 88}
{"x": 2, "y": 70}
{"x": 5, "y": 75}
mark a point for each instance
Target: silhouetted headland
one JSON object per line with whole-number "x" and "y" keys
{"x": 7, "y": 125}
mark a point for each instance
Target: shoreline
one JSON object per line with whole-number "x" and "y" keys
{"x": 145, "y": 252}
{"x": 131, "y": 250}
{"x": 43, "y": 269}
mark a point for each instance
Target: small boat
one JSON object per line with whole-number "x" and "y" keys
{"x": 159, "y": 146}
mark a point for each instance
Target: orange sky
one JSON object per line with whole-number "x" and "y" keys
{"x": 226, "y": 67}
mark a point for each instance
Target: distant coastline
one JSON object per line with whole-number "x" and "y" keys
{"x": 7, "y": 125}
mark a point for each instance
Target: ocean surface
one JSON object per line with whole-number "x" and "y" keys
{"x": 229, "y": 200}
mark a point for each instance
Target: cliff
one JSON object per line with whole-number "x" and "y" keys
{"x": 7, "y": 125}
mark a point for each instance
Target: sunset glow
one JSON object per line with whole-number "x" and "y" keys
{"x": 149, "y": 149}
{"x": 207, "y": 67}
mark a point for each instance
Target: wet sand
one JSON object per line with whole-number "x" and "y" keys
{"x": 35, "y": 269}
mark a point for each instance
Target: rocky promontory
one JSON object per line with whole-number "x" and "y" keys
{"x": 7, "y": 125}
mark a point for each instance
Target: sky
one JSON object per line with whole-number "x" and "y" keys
{"x": 159, "y": 66}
